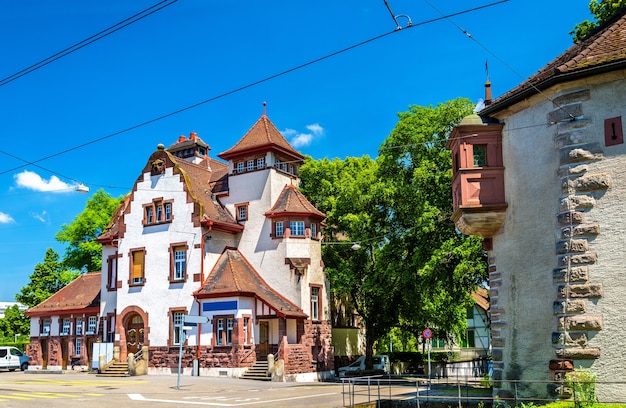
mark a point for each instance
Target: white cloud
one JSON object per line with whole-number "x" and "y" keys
{"x": 316, "y": 129}
{"x": 43, "y": 217}
{"x": 5, "y": 218}
{"x": 480, "y": 105}
{"x": 33, "y": 181}
{"x": 299, "y": 139}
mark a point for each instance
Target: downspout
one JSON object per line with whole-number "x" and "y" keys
{"x": 201, "y": 283}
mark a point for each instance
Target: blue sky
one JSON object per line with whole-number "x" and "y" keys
{"x": 193, "y": 51}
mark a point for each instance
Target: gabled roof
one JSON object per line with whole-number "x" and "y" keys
{"x": 602, "y": 51}
{"x": 233, "y": 275}
{"x": 200, "y": 182}
{"x": 292, "y": 202}
{"x": 262, "y": 136}
{"x": 116, "y": 225}
{"x": 80, "y": 294}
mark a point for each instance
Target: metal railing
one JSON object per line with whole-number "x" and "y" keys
{"x": 417, "y": 391}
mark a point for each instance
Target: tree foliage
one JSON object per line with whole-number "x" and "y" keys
{"x": 14, "y": 322}
{"x": 602, "y": 10}
{"x": 47, "y": 278}
{"x": 83, "y": 253}
{"x": 414, "y": 269}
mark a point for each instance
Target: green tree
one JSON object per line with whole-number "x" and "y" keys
{"x": 602, "y": 10}
{"x": 83, "y": 253}
{"x": 47, "y": 278}
{"x": 14, "y": 322}
{"x": 349, "y": 192}
{"x": 435, "y": 265}
{"x": 414, "y": 269}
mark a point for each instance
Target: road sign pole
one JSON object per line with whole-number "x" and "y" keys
{"x": 180, "y": 353}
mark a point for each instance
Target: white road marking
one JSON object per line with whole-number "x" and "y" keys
{"x": 139, "y": 397}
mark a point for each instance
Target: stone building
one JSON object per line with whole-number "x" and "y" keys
{"x": 539, "y": 175}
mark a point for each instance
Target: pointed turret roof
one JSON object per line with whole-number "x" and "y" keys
{"x": 292, "y": 202}
{"x": 263, "y": 136}
{"x": 233, "y": 275}
{"x": 80, "y": 294}
{"x": 602, "y": 51}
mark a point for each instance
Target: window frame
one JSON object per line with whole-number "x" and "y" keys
{"x": 313, "y": 230}
{"x": 131, "y": 266}
{"x": 241, "y": 211}
{"x": 220, "y": 330}
{"x": 174, "y": 339}
{"x": 66, "y": 329}
{"x": 79, "y": 329}
{"x": 173, "y": 262}
{"x": 300, "y": 228}
{"x": 282, "y": 229}
{"x": 240, "y": 167}
{"x": 479, "y": 155}
{"x": 112, "y": 269}
{"x": 157, "y": 212}
{"x": 260, "y": 163}
{"x": 91, "y": 328}
{"x": 315, "y": 305}
{"x": 78, "y": 345}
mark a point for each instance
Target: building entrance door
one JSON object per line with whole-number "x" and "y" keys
{"x": 264, "y": 335}
{"x": 134, "y": 334}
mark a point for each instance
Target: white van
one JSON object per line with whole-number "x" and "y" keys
{"x": 379, "y": 362}
{"x": 12, "y": 358}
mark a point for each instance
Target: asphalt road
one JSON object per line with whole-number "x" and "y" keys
{"x": 69, "y": 389}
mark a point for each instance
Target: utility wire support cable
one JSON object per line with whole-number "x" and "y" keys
{"x": 241, "y": 88}
{"x": 471, "y": 37}
{"x": 110, "y": 30}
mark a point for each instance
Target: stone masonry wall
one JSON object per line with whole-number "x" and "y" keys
{"x": 574, "y": 282}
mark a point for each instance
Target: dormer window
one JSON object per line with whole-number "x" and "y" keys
{"x": 242, "y": 211}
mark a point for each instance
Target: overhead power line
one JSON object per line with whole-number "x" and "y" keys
{"x": 241, "y": 88}
{"x": 108, "y": 31}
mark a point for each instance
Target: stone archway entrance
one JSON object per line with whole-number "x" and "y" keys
{"x": 134, "y": 329}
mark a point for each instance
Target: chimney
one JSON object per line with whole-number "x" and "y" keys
{"x": 192, "y": 136}
{"x": 181, "y": 138}
{"x": 487, "y": 93}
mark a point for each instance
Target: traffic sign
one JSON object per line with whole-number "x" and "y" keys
{"x": 427, "y": 333}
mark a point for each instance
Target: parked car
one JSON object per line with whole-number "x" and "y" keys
{"x": 379, "y": 363}
{"x": 12, "y": 358}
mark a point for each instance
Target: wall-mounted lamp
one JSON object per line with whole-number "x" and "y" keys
{"x": 81, "y": 188}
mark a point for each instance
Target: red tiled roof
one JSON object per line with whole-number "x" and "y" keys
{"x": 481, "y": 297}
{"x": 262, "y": 136}
{"x": 112, "y": 231}
{"x": 292, "y": 202}
{"x": 82, "y": 293}
{"x": 233, "y": 275}
{"x": 602, "y": 51}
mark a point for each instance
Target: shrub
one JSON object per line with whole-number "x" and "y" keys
{"x": 582, "y": 382}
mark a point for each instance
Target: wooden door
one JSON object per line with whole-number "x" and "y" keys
{"x": 65, "y": 356}
{"x": 134, "y": 334}
{"x": 44, "y": 354}
{"x": 264, "y": 334}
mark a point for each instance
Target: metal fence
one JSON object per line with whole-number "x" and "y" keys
{"x": 458, "y": 391}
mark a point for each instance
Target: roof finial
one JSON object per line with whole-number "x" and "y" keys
{"x": 264, "y": 108}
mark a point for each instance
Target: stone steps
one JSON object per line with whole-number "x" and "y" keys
{"x": 257, "y": 372}
{"x": 117, "y": 369}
